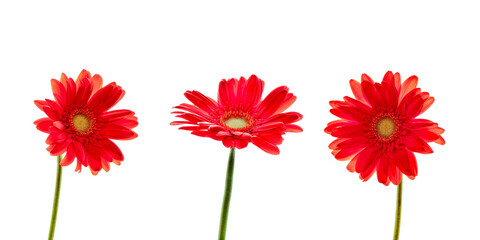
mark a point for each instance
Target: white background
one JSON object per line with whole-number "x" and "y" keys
{"x": 171, "y": 183}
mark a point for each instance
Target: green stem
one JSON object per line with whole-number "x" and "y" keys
{"x": 55, "y": 199}
{"x": 227, "y": 195}
{"x": 398, "y": 212}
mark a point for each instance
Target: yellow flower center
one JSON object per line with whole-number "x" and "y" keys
{"x": 236, "y": 123}
{"x": 385, "y": 127}
{"x": 81, "y": 122}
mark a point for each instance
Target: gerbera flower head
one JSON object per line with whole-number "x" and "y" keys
{"x": 79, "y": 124}
{"x": 379, "y": 130}
{"x": 240, "y": 116}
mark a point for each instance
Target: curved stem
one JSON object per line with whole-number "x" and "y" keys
{"x": 227, "y": 195}
{"x": 51, "y": 233}
{"x": 398, "y": 212}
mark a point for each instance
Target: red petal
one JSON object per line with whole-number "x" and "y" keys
{"x": 227, "y": 91}
{"x": 192, "y": 118}
{"x": 388, "y": 91}
{"x": 382, "y": 170}
{"x": 241, "y": 91}
{"x": 105, "y": 98}
{"x": 59, "y": 125}
{"x": 388, "y": 78}
{"x": 405, "y": 162}
{"x": 336, "y": 104}
{"x": 366, "y": 159}
{"x": 350, "y": 113}
{"x": 203, "y": 102}
{"x": 79, "y": 151}
{"x": 368, "y": 173}
{"x": 333, "y": 145}
{"x": 84, "y": 92}
{"x": 79, "y": 167}
{"x": 407, "y": 86}
{"x": 56, "y": 137}
{"x": 292, "y": 128}
{"x": 130, "y": 122}
{"x": 289, "y": 117}
{"x": 265, "y": 146}
{"x": 416, "y": 144}
{"x": 357, "y": 91}
{"x": 83, "y": 74}
{"x": 365, "y": 163}
{"x": 253, "y": 92}
{"x": 414, "y": 107}
{"x": 97, "y": 82}
{"x": 394, "y": 173}
{"x": 112, "y": 149}
{"x": 93, "y": 171}
{"x": 71, "y": 93}
{"x": 93, "y": 158}
{"x": 371, "y": 94}
{"x": 231, "y": 142}
{"x": 175, "y": 123}
{"x": 59, "y": 148}
{"x": 122, "y": 94}
{"x": 43, "y": 124}
{"x": 413, "y": 163}
{"x": 63, "y": 79}
{"x": 275, "y": 139}
{"x": 422, "y": 123}
{"x": 440, "y": 141}
{"x": 397, "y": 81}
{"x": 337, "y": 123}
{"x": 69, "y": 157}
{"x": 351, "y": 164}
{"x": 105, "y": 165}
{"x": 118, "y": 132}
{"x": 58, "y": 88}
{"x": 203, "y": 134}
{"x": 193, "y": 128}
{"x": 272, "y": 102}
{"x": 40, "y": 104}
{"x": 117, "y": 115}
{"x": 349, "y": 131}
{"x": 193, "y": 109}
{"x": 51, "y": 113}
{"x": 426, "y": 135}
{"x": 289, "y": 100}
{"x": 366, "y": 78}
{"x": 347, "y": 153}
{"x": 54, "y": 106}
{"x": 232, "y": 89}
{"x": 427, "y": 104}
{"x": 437, "y": 130}
{"x": 359, "y": 142}
{"x": 357, "y": 104}
{"x": 275, "y": 126}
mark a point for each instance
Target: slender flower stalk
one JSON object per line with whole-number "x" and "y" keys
{"x": 80, "y": 125}
{"x": 227, "y": 195}
{"x": 56, "y": 197}
{"x": 239, "y": 117}
{"x": 379, "y": 131}
{"x": 398, "y": 212}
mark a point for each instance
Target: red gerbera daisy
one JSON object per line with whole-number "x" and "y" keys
{"x": 80, "y": 124}
{"x": 378, "y": 131}
{"x": 239, "y": 117}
